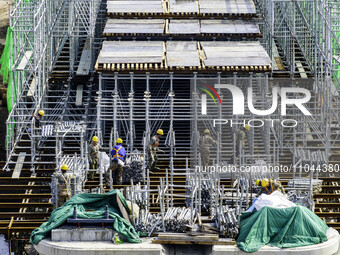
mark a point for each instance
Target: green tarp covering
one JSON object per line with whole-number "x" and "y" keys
{"x": 83, "y": 202}
{"x": 284, "y": 228}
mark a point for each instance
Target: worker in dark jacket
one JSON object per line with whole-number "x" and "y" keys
{"x": 93, "y": 152}
{"x": 153, "y": 150}
{"x": 38, "y": 117}
{"x": 241, "y": 136}
{"x": 206, "y": 141}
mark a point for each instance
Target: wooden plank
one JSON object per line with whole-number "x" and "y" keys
{"x": 85, "y": 59}
{"x": 221, "y": 241}
{"x": 122, "y": 209}
{"x": 301, "y": 70}
{"x": 185, "y": 237}
{"x": 31, "y": 90}
{"x": 24, "y": 61}
{"x": 18, "y": 165}
{"x": 79, "y": 95}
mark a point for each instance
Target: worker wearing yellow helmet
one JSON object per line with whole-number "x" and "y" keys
{"x": 93, "y": 154}
{"x": 240, "y": 140}
{"x": 116, "y": 167}
{"x": 153, "y": 150}
{"x": 268, "y": 186}
{"x": 64, "y": 185}
{"x": 205, "y": 143}
{"x": 38, "y": 117}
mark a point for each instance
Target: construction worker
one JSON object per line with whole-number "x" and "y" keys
{"x": 269, "y": 186}
{"x": 118, "y": 154}
{"x": 241, "y": 136}
{"x": 93, "y": 151}
{"x": 206, "y": 141}
{"x": 38, "y": 117}
{"x": 153, "y": 149}
{"x": 64, "y": 185}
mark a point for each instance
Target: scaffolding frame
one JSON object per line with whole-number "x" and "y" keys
{"x": 40, "y": 30}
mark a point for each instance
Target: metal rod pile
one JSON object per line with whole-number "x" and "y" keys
{"x": 226, "y": 221}
{"x": 148, "y": 223}
{"x": 47, "y": 130}
{"x": 175, "y": 220}
{"x": 301, "y": 183}
{"x": 133, "y": 171}
{"x": 72, "y": 126}
{"x": 300, "y": 197}
{"x": 140, "y": 195}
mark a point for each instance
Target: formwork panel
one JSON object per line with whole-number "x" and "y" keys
{"x": 227, "y": 6}
{"x": 134, "y": 26}
{"x": 184, "y": 27}
{"x": 145, "y": 6}
{"x": 183, "y": 6}
{"x": 182, "y": 53}
{"x": 131, "y": 52}
{"x": 235, "y": 54}
{"x": 229, "y": 26}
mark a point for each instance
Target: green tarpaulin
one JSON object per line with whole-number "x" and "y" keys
{"x": 94, "y": 202}
{"x": 284, "y": 228}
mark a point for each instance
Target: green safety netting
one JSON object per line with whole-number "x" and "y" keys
{"x": 96, "y": 203}
{"x": 6, "y": 56}
{"x": 336, "y": 44}
{"x": 284, "y": 228}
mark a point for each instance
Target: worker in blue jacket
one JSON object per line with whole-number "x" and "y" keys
{"x": 118, "y": 154}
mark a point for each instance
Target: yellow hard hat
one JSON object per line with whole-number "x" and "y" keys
{"x": 119, "y": 140}
{"x": 258, "y": 182}
{"x": 64, "y": 167}
{"x": 206, "y": 131}
{"x": 160, "y": 131}
{"x": 264, "y": 182}
{"x": 247, "y": 127}
{"x": 41, "y": 112}
{"x": 95, "y": 139}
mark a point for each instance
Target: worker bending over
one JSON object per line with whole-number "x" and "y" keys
{"x": 206, "y": 141}
{"x": 153, "y": 150}
{"x": 269, "y": 186}
{"x": 118, "y": 154}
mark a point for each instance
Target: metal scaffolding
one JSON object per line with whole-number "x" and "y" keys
{"x": 40, "y": 30}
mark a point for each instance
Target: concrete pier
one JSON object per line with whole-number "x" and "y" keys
{"x": 48, "y": 247}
